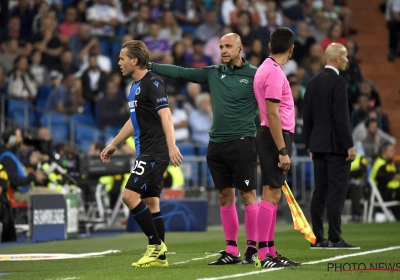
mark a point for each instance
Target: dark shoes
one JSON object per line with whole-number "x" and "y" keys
{"x": 327, "y": 244}
{"x": 341, "y": 245}
{"x": 285, "y": 261}
{"x": 320, "y": 245}
{"x": 250, "y": 256}
{"x": 226, "y": 258}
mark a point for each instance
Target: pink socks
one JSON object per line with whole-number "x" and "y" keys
{"x": 265, "y": 223}
{"x": 230, "y": 224}
{"x": 250, "y": 223}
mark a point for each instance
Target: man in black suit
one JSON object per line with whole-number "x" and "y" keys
{"x": 328, "y": 138}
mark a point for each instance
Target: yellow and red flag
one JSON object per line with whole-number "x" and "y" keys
{"x": 299, "y": 220}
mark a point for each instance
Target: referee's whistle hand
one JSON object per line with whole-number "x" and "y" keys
{"x": 284, "y": 163}
{"x": 175, "y": 156}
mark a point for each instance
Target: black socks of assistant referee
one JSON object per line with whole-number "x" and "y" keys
{"x": 143, "y": 217}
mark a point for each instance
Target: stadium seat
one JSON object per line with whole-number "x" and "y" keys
{"x": 187, "y": 149}
{"x": 13, "y": 203}
{"x": 85, "y": 119}
{"x": 85, "y": 136}
{"x": 376, "y": 201}
{"x": 111, "y": 132}
{"x": 58, "y": 125}
{"x": 21, "y": 112}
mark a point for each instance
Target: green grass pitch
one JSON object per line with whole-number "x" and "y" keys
{"x": 191, "y": 252}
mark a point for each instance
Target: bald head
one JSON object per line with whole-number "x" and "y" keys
{"x": 336, "y": 56}
{"x": 233, "y": 37}
{"x": 334, "y": 50}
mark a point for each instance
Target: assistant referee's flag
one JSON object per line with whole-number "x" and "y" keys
{"x": 299, "y": 220}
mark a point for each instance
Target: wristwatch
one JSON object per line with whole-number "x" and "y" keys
{"x": 283, "y": 151}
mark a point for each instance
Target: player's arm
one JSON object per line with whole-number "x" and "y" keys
{"x": 168, "y": 127}
{"x": 126, "y": 132}
{"x": 194, "y": 75}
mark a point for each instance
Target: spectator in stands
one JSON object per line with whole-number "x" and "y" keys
{"x": 112, "y": 111}
{"x": 103, "y": 20}
{"x": 336, "y": 13}
{"x": 302, "y": 42}
{"x": 358, "y": 177}
{"x": 14, "y": 32}
{"x": 192, "y": 91}
{"x": 38, "y": 70}
{"x": 186, "y": 12}
{"x": 187, "y": 40}
{"x": 9, "y": 52}
{"x": 319, "y": 27}
{"x": 362, "y": 108}
{"x": 200, "y": 120}
{"x": 372, "y": 141}
{"x": 103, "y": 61}
{"x": 156, "y": 10}
{"x": 158, "y": 46}
{"x": 21, "y": 82}
{"x": 170, "y": 28}
{"x": 67, "y": 64}
{"x": 262, "y": 6}
{"x": 93, "y": 83}
{"x": 65, "y": 98}
{"x": 209, "y": 28}
{"x": 335, "y": 35}
{"x": 360, "y": 131}
{"x": 80, "y": 43}
{"x": 387, "y": 177}
{"x": 48, "y": 43}
{"x": 70, "y": 26}
{"x": 2, "y": 81}
{"x": 352, "y": 74}
{"x": 43, "y": 11}
{"x": 368, "y": 88}
{"x": 245, "y": 30}
{"x": 242, "y": 6}
{"x": 24, "y": 12}
{"x": 211, "y": 48}
{"x": 315, "y": 66}
{"x": 198, "y": 59}
{"x": 392, "y": 15}
{"x": 139, "y": 27}
{"x": 264, "y": 32}
{"x": 180, "y": 120}
{"x": 258, "y": 51}
{"x": 178, "y": 55}
{"x": 19, "y": 180}
{"x": 292, "y": 11}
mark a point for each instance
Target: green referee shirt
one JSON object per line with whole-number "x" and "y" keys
{"x": 233, "y": 102}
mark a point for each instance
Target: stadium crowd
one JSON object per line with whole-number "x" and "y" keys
{"x": 59, "y": 58}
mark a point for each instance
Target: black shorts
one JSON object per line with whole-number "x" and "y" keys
{"x": 268, "y": 154}
{"x": 147, "y": 177}
{"x": 233, "y": 164}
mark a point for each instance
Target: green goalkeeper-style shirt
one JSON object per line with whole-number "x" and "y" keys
{"x": 233, "y": 102}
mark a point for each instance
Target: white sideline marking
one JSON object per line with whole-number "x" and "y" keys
{"x": 312, "y": 262}
{"x": 198, "y": 259}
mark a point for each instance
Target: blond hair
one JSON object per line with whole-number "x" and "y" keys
{"x": 137, "y": 49}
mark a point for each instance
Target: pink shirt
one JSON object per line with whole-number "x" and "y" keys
{"x": 270, "y": 82}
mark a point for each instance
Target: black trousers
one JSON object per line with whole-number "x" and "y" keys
{"x": 331, "y": 172}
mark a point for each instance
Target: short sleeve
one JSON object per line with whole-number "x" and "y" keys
{"x": 273, "y": 86}
{"x": 157, "y": 93}
{"x": 91, "y": 14}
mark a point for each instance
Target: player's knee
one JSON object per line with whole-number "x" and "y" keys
{"x": 130, "y": 199}
{"x": 226, "y": 197}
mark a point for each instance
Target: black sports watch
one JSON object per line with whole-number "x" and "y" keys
{"x": 283, "y": 151}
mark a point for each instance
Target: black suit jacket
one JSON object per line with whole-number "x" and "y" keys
{"x": 326, "y": 114}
